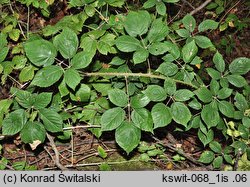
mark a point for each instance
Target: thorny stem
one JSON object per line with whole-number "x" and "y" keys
{"x": 129, "y": 108}
{"x": 81, "y": 127}
{"x": 137, "y": 75}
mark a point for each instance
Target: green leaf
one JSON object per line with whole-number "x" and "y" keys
{"x": 194, "y": 104}
{"x": 140, "y": 56}
{"x": 3, "y": 163}
{"x": 1, "y": 69}
{"x": 101, "y": 152}
{"x": 127, "y": 136}
{"x": 219, "y": 62}
{"x": 14, "y": 34}
{"x": 196, "y": 60}
{"x": 117, "y": 61}
{"x": 28, "y": 100}
{"x": 224, "y": 82}
{"x": 89, "y": 44}
{"x": 47, "y": 76}
{"x": 105, "y": 44}
{"x": 112, "y": 118}
{"x": 161, "y": 8}
{"x": 204, "y": 138}
{"x": 19, "y": 61}
{"x": 81, "y": 60}
{"x": 168, "y": 69}
{"x": 237, "y": 80}
{"x": 149, "y": 4}
{"x": 161, "y": 115}
{"x": 14, "y": 122}
{"x": 214, "y": 86}
{"x": 137, "y": 23}
{"x": 33, "y": 131}
{"x": 63, "y": 89}
{"x": 142, "y": 119}
{"x": 174, "y": 51}
{"x": 206, "y": 157}
{"x": 204, "y": 94}
{"x": 66, "y": 43}
{"x": 127, "y": 43}
{"x": 207, "y": 24}
{"x": 171, "y": 1}
{"x": 3, "y": 53}
{"x": 19, "y": 166}
{"x": 27, "y": 73}
{"x": 170, "y": 86}
{"x": 42, "y": 100}
{"x": 215, "y": 147}
{"x": 105, "y": 167}
{"x": 180, "y": 113}
{"x": 139, "y": 101}
{"x": 224, "y": 93}
{"x": 189, "y": 22}
{"x": 183, "y": 95}
{"x": 155, "y": 93}
{"x": 203, "y": 41}
{"x": 118, "y": 97}
{"x": 24, "y": 98}
{"x": 246, "y": 122}
{"x": 240, "y": 66}
{"x": 217, "y": 163}
{"x": 213, "y": 73}
{"x": 52, "y": 120}
{"x": 40, "y": 52}
{"x": 115, "y": 3}
{"x": 189, "y": 51}
{"x": 228, "y": 158}
{"x": 72, "y": 78}
{"x": 82, "y": 94}
{"x": 240, "y": 102}
{"x": 159, "y": 48}
{"x": 226, "y": 108}
{"x": 210, "y": 115}
{"x": 158, "y": 31}
{"x": 239, "y": 146}
{"x": 184, "y": 33}
{"x": 5, "y": 105}
{"x": 103, "y": 86}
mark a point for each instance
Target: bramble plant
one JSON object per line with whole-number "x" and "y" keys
{"x": 128, "y": 72}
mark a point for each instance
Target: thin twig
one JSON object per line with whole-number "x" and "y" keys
{"x": 57, "y": 158}
{"x": 177, "y": 150}
{"x": 72, "y": 147}
{"x": 7, "y": 166}
{"x": 236, "y": 162}
{"x": 137, "y": 75}
{"x": 200, "y": 7}
{"x": 229, "y": 10}
{"x": 189, "y": 4}
{"x": 28, "y": 22}
{"x": 46, "y": 149}
{"x": 20, "y": 27}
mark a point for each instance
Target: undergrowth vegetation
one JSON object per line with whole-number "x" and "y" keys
{"x": 124, "y": 67}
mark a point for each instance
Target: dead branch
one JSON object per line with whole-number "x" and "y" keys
{"x": 57, "y": 158}
{"x": 200, "y": 7}
{"x": 170, "y": 145}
